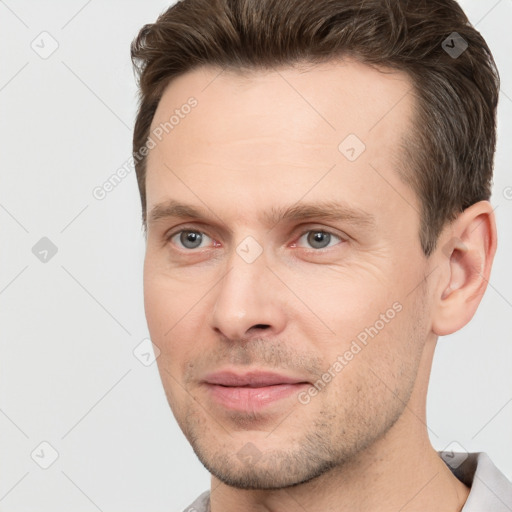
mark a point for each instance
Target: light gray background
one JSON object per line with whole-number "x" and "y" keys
{"x": 69, "y": 326}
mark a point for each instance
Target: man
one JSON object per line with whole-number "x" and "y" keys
{"x": 315, "y": 177}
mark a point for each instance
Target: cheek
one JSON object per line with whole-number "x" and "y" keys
{"x": 348, "y": 303}
{"x": 373, "y": 332}
{"x": 167, "y": 300}
{"x": 176, "y": 310}
{"x": 167, "y": 315}
{"x": 378, "y": 376}
{"x": 394, "y": 344}
{"x": 167, "y": 307}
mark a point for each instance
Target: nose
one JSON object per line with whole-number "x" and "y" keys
{"x": 246, "y": 301}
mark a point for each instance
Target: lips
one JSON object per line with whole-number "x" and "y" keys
{"x": 251, "y": 379}
{"x": 251, "y": 391}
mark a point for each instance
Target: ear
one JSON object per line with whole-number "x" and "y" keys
{"x": 465, "y": 254}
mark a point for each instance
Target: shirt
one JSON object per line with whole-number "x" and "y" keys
{"x": 490, "y": 491}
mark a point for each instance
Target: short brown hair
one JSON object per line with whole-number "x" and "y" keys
{"x": 449, "y": 158}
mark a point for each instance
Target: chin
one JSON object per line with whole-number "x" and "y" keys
{"x": 271, "y": 471}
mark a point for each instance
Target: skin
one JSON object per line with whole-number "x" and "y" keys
{"x": 257, "y": 144}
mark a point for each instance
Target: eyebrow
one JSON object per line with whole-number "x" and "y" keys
{"x": 328, "y": 210}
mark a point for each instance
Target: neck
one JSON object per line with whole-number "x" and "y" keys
{"x": 399, "y": 472}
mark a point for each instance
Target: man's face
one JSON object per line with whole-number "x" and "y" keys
{"x": 284, "y": 275}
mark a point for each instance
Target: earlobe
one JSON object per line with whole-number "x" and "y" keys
{"x": 465, "y": 256}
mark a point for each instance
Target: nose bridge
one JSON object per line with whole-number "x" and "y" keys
{"x": 244, "y": 297}
{"x": 241, "y": 287}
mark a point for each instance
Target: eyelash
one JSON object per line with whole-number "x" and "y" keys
{"x": 302, "y": 233}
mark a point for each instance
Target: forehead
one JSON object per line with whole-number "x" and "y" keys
{"x": 338, "y": 95}
{"x": 263, "y": 131}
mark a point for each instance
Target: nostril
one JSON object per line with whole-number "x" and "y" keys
{"x": 261, "y": 326}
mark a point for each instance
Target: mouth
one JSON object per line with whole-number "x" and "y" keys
{"x": 252, "y": 391}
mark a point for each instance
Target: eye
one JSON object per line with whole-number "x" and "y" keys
{"x": 190, "y": 239}
{"x": 318, "y": 239}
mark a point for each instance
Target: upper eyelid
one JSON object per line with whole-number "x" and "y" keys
{"x": 179, "y": 229}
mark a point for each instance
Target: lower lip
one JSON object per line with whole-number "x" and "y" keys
{"x": 252, "y": 399}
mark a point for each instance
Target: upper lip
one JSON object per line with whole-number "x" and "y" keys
{"x": 250, "y": 379}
